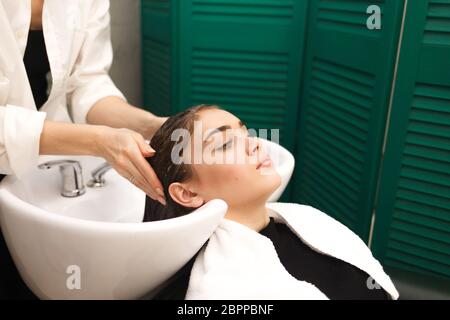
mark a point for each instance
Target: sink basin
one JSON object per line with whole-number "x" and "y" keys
{"x": 111, "y": 207}
{"x": 97, "y": 240}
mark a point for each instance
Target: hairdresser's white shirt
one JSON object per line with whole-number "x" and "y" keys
{"x": 77, "y": 39}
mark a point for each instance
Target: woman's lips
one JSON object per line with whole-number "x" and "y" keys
{"x": 264, "y": 164}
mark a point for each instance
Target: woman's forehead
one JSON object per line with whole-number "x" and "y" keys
{"x": 215, "y": 118}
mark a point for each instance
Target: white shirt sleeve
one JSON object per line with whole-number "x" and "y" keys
{"x": 89, "y": 81}
{"x": 20, "y": 130}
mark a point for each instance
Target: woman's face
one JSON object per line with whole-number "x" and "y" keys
{"x": 235, "y": 170}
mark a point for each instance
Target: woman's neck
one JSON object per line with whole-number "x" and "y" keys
{"x": 254, "y": 216}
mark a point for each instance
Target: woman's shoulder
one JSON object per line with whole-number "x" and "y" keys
{"x": 319, "y": 230}
{"x": 327, "y": 235}
{"x": 308, "y": 219}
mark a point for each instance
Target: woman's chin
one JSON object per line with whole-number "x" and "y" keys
{"x": 271, "y": 178}
{"x": 268, "y": 184}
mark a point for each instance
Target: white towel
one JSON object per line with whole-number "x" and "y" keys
{"x": 239, "y": 263}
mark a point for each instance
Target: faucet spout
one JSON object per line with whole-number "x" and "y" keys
{"x": 72, "y": 176}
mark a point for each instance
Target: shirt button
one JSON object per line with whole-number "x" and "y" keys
{"x": 20, "y": 33}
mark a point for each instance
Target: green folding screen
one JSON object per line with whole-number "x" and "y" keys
{"x": 159, "y": 34}
{"x": 412, "y": 228}
{"x": 346, "y": 88}
{"x": 244, "y": 55}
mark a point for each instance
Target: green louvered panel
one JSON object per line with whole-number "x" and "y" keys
{"x": 244, "y": 55}
{"x": 158, "y": 34}
{"x": 412, "y": 229}
{"x": 346, "y": 87}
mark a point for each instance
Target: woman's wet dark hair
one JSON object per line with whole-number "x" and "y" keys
{"x": 167, "y": 171}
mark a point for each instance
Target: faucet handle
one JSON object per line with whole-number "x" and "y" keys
{"x": 97, "y": 175}
{"x": 72, "y": 176}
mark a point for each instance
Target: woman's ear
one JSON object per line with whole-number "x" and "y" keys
{"x": 183, "y": 196}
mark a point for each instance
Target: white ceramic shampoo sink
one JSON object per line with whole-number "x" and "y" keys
{"x": 97, "y": 236}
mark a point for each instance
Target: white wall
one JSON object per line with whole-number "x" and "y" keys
{"x": 126, "y": 41}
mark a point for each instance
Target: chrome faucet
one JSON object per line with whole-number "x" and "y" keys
{"x": 97, "y": 176}
{"x": 72, "y": 176}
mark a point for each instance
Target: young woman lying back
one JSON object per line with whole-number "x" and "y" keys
{"x": 302, "y": 252}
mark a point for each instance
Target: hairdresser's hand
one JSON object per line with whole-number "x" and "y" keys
{"x": 126, "y": 150}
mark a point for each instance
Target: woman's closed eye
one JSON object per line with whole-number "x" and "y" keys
{"x": 227, "y": 145}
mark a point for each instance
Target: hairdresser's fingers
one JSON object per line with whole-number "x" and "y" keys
{"x": 143, "y": 186}
{"x": 142, "y": 165}
{"x": 147, "y": 176}
{"x": 129, "y": 172}
{"x": 144, "y": 146}
{"x": 147, "y": 173}
{"x": 125, "y": 150}
{"x": 126, "y": 169}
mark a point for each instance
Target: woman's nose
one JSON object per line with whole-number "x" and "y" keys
{"x": 252, "y": 145}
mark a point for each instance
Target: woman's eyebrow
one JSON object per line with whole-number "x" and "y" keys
{"x": 221, "y": 129}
